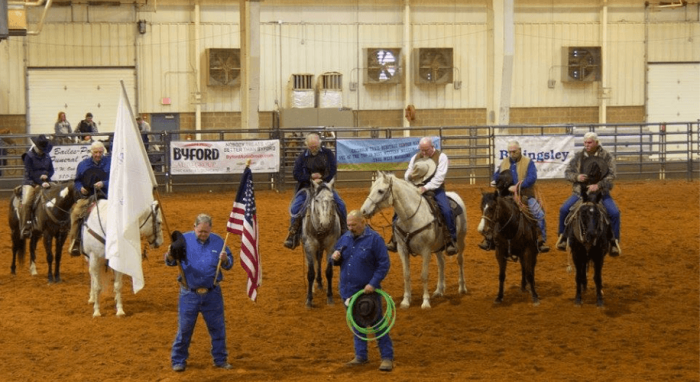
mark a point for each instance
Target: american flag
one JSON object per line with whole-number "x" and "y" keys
{"x": 244, "y": 222}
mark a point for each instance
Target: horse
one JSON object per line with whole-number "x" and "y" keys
{"x": 589, "y": 232}
{"x": 52, "y": 212}
{"x": 417, "y": 231}
{"x": 515, "y": 236}
{"x": 93, "y": 244}
{"x": 320, "y": 230}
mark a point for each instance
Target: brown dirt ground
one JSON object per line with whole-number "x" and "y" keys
{"x": 648, "y": 329}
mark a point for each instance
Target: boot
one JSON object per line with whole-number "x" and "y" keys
{"x": 542, "y": 247}
{"x": 292, "y": 240}
{"x": 615, "y": 250}
{"x": 451, "y": 248}
{"x": 561, "y": 243}
{"x": 391, "y": 245}
{"x": 74, "y": 248}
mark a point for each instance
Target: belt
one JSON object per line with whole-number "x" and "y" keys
{"x": 203, "y": 290}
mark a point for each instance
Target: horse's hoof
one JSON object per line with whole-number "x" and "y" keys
{"x": 96, "y": 314}
{"x": 120, "y": 313}
{"x": 425, "y": 305}
{"x": 330, "y": 301}
{"x": 536, "y": 303}
{"x": 309, "y": 304}
{"x": 498, "y": 300}
{"x": 600, "y": 304}
{"x": 405, "y": 305}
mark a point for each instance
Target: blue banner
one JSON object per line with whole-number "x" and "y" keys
{"x": 388, "y": 154}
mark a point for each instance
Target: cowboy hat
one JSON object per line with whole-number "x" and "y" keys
{"x": 92, "y": 176}
{"x": 422, "y": 170}
{"x": 178, "y": 248}
{"x": 41, "y": 142}
{"x": 366, "y": 308}
{"x": 595, "y": 167}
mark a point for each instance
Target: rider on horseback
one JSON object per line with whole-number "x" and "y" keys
{"x": 575, "y": 174}
{"x": 38, "y": 170}
{"x": 92, "y": 180}
{"x": 433, "y": 182}
{"x": 521, "y": 168}
{"x": 315, "y": 164}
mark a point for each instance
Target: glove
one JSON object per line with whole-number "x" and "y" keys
{"x": 43, "y": 177}
{"x": 45, "y": 185}
{"x": 493, "y": 183}
{"x": 178, "y": 249}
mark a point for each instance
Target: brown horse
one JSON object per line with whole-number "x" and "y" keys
{"x": 515, "y": 236}
{"x": 51, "y": 220}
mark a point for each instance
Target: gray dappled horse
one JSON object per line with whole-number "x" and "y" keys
{"x": 417, "y": 231}
{"x": 51, "y": 212}
{"x": 93, "y": 244}
{"x": 319, "y": 232}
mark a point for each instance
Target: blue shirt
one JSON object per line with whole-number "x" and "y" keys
{"x": 530, "y": 177}
{"x": 202, "y": 259}
{"x": 86, "y": 164}
{"x": 363, "y": 260}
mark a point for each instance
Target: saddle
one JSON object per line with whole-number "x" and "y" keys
{"x": 435, "y": 210}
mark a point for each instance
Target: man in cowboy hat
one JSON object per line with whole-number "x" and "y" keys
{"x": 574, "y": 173}
{"x": 523, "y": 171}
{"x": 432, "y": 181}
{"x": 38, "y": 170}
{"x": 91, "y": 178}
{"x": 364, "y": 263}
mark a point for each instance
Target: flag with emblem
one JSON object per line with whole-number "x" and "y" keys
{"x": 243, "y": 221}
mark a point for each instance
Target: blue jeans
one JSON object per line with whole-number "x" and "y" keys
{"x": 386, "y": 346}
{"x": 300, "y": 199}
{"x": 211, "y": 305}
{"x": 444, "y": 204}
{"x": 609, "y": 205}
{"x": 538, "y": 213}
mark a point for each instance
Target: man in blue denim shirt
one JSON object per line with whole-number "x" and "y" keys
{"x": 203, "y": 252}
{"x": 364, "y": 263}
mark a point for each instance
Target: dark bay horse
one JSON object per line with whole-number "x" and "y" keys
{"x": 589, "y": 232}
{"x": 320, "y": 230}
{"x": 51, "y": 211}
{"x": 515, "y": 235}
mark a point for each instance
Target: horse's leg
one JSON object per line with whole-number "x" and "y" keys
{"x": 501, "y": 258}
{"x": 48, "y": 246}
{"x": 319, "y": 268}
{"x": 310, "y": 274}
{"x": 598, "y": 276}
{"x": 580, "y": 263}
{"x": 405, "y": 262}
{"x": 531, "y": 258}
{"x": 95, "y": 284}
{"x": 118, "y": 293}
{"x": 60, "y": 240}
{"x": 329, "y": 279}
{"x": 33, "y": 241}
{"x": 424, "y": 279}
{"x": 440, "y": 290}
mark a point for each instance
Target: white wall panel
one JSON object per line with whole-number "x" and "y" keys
{"x": 12, "y": 76}
{"x": 674, "y": 42}
{"x": 82, "y": 45}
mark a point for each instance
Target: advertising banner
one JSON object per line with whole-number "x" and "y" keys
{"x": 66, "y": 159}
{"x": 387, "y": 154}
{"x": 551, "y": 154}
{"x": 227, "y": 157}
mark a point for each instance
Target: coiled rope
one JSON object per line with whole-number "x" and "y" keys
{"x": 383, "y": 326}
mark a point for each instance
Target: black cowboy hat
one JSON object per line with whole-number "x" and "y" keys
{"x": 596, "y": 168}
{"x": 42, "y": 142}
{"x": 178, "y": 248}
{"x": 366, "y": 309}
{"x": 92, "y": 176}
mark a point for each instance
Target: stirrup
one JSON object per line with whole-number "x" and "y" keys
{"x": 391, "y": 245}
{"x": 486, "y": 245}
{"x": 292, "y": 241}
{"x": 561, "y": 243}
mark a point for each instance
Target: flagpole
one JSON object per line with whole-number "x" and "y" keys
{"x": 218, "y": 267}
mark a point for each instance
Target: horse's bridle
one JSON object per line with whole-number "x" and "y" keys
{"x": 388, "y": 192}
{"x": 153, "y": 214}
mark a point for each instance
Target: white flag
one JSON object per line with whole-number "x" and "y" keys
{"x": 131, "y": 183}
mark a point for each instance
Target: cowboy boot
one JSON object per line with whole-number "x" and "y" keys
{"x": 615, "y": 249}
{"x": 391, "y": 245}
{"x": 292, "y": 240}
{"x": 487, "y": 244}
{"x": 561, "y": 243}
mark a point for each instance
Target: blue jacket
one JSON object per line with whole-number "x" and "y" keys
{"x": 306, "y": 164}
{"x": 35, "y": 166}
{"x": 86, "y": 164}
{"x": 364, "y": 260}
{"x": 202, "y": 259}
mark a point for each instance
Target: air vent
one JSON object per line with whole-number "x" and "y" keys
{"x": 330, "y": 90}
{"x": 433, "y": 66}
{"x": 581, "y": 63}
{"x": 224, "y": 67}
{"x": 330, "y": 81}
{"x": 303, "y": 95}
{"x": 382, "y": 65}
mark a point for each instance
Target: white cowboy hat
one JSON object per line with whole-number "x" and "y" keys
{"x": 422, "y": 170}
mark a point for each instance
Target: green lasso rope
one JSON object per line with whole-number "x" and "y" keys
{"x": 384, "y": 325}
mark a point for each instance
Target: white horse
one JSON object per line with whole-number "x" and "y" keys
{"x": 93, "y": 234}
{"x": 320, "y": 230}
{"x": 416, "y": 231}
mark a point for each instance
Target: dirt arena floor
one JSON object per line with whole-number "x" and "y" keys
{"x": 648, "y": 329}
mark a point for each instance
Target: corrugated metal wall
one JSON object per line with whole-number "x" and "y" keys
{"x": 12, "y": 77}
{"x": 165, "y": 57}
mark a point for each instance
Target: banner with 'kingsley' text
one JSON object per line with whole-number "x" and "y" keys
{"x": 551, "y": 154}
